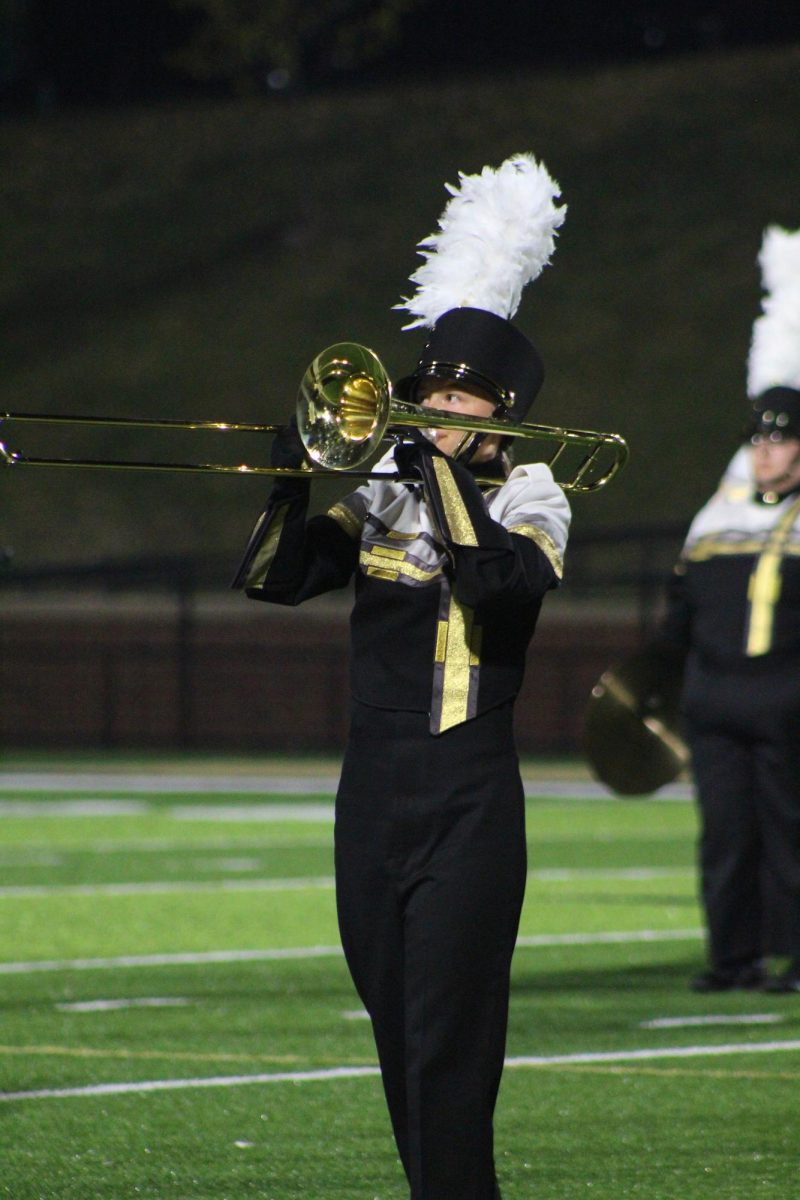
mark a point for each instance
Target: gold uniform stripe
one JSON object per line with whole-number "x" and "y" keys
{"x": 763, "y": 592}
{"x": 764, "y": 588}
{"x": 458, "y": 647}
{"x": 383, "y": 573}
{"x": 712, "y": 547}
{"x": 383, "y": 564}
{"x": 455, "y": 510}
{"x": 349, "y": 522}
{"x": 264, "y": 556}
{"x": 441, "y": 642}
{"x": 545, "y": 544}
{"x": 455, "y": 684}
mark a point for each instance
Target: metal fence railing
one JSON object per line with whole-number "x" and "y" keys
{"x": 157, "y": 652}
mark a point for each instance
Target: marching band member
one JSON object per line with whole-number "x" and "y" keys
{"x": 734, "y": 607}
{"x": 450, "y": 575}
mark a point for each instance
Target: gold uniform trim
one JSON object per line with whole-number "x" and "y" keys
{"x": 713, "y": 547}
{"x": 545, "y": 544}
{"x": 455, "y": 510}
{"x": 441, "y": 642}
{"x": 265, "y": 555}
{"x": 389, "y": 552}
{"x": 764, "y": 588}
{"x": 349, "y": 522}
{"x": 763, "y": 592}
{"x": 456, "y": 659}
{"x": 387, "y": 563}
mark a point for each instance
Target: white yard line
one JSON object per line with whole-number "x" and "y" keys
{"x": 623, "y": 937}
{"x": 302, "y": 883}
{"x": 158, "y": 887}
{"x": 610, "y": 1056}
{"x": 192, "y": 959}
{"x": 334, "y": 1073}
{"x": 279, "y": 784}
{"x": 713, "y": 1019}
{"x": 202, "y": 958}
{"x": 110, "y": 807}
{"x": 92, "y": 1006}
{"x": 148, "y": 782}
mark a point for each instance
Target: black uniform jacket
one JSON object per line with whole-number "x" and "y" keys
{"x": 735, "y": 594}
{"x": 449, "y": 579}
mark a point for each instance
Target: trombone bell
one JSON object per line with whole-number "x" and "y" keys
{"x": 343, "y": 406}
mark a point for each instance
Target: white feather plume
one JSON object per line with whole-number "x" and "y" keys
{"x": 779, "y": 258}
{"x": 496, "y": 235}
{"x": 774, "y": 358}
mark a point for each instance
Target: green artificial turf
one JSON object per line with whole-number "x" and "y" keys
{"x": 165, "y": 936}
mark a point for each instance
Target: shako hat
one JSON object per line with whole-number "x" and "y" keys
{"x": 495, "y": 235}
{"x": 773, "y": 365}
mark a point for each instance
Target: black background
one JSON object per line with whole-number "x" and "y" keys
{"x": 117, "y": 51}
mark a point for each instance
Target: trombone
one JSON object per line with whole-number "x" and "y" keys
{"x": 345, "y": 410}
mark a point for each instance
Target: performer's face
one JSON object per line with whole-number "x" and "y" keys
{"x": 776, "y": 465}
{"x": 455, "y": 398}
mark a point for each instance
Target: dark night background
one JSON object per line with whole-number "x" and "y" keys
{"x": 179, "y": 249}
{"x": 111, "y": 51}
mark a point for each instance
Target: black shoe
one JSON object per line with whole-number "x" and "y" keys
{"x": 789, "y": 981}
{"x": 745, "y": 979}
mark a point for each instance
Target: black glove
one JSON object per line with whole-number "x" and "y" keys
{"x": 287, "y": 448}
{"x": 409, "y": 453}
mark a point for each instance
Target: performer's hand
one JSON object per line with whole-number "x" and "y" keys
{"x": 408, "y": 453}
{"x": 287, "y": 448}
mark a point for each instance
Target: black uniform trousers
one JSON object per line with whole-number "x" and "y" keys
{"x": 430, "y": 877}
{"x": 743, "y": 728}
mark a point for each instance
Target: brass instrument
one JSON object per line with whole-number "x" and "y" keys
{"x": 632, "y": 737}
{"x": 344, "y": 411}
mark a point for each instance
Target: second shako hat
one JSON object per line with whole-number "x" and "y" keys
{"x": 495, "y": 235}
{"x": 773, "y": 365}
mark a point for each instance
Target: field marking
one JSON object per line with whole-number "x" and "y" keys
{"x": 156, "y": 887}
{"x": 162, "y": 1085}
{"x": 148, "y": 783}
{"x": 171, "y": 1055}
{"x": 301, "y": 883}
{"x": 45, "y": 852}
{"x": 85, "y": 1006}
{"x": 671, "y": 1072}
{"x": 110, "y": 807}
{"x": 277, "y": 785}
{"x": 189, "y": 958}
{"x": 624, "y": 937}
{"x": 48, "y": 853}
{"x": 633, "y": 874}
{"x": 334, "y": 1073}
{"x": 713, "y": 1019}
{"x": 75, "y": 808}
{"x": 614, "y": 1056}
{"x": 205, "y": 957}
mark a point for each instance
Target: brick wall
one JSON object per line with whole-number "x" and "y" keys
{"x": 223, "y": 674}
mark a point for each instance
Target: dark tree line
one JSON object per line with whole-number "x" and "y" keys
{"x": 86, "y": 51}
